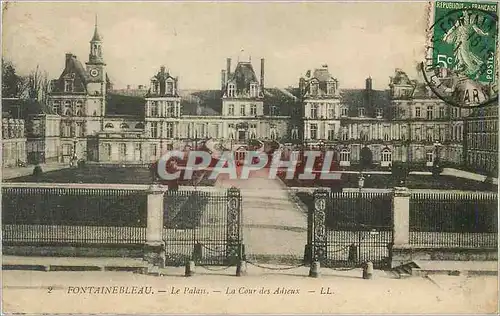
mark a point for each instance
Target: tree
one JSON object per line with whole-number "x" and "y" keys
{"x": 11, "y": 82}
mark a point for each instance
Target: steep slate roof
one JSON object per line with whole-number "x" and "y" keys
{"x": 283, "y": 100}
{"x": 120, "y": 104}
{"x": 22, "y": 108}
{"x": 73, "y": 69}
{"x": 356, "y": 98}
{"x": 323, "y": 76}
{"x": 242, "y": 76}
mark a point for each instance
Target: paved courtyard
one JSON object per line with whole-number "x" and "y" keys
{"x": 272, "y": 223}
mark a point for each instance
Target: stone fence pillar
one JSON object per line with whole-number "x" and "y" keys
{"x": 401, "y": 226}
{"x": 154, "y": 251}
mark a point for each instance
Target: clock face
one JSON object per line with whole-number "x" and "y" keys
{"x": 94, "y": 72}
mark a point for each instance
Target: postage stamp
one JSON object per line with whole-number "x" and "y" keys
{"x": 249, "y": 157}
{"x": 461, "y": 64}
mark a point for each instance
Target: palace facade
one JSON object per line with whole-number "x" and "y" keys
{"x": 86, "y": 118}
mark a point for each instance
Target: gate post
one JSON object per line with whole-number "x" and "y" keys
{"x": 318, "y": 227}
{"x": 401, "y": 224}
{"x": 235, "y": 249}
{"x": 154, "y": 251}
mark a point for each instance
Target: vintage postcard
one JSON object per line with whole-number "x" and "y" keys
{"x": 249, "y": 157}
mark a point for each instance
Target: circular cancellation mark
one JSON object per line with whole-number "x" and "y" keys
{"x": 461, "y": 65}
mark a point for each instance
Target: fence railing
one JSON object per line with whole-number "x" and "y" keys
{"x": 60, "y": 214}
{"x": 454, "y": 219}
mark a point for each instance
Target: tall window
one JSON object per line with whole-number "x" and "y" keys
{"x": 418, "y": 134}
{"x": 314, "y": 131}
{"x": 170, "y": 88}
{"x": 429, "y": 136}
{"x": 314, "y": 88}
{"x": 345, "y": 133}
{"x": 169, "y": 131}
{"x": 386, "y": 155}
{"x": 154, "y": 129}
{"x": 56, "y": 106}
{"x": 170, "y": 109}
{"x": 295, "y": 132}
{"x": 230, "y": 109}
{"x": 314, "y": 111}
{"x": 430, "y": 109}
{"x": 379, "y": 112}
{"x": 253, "y": 89}
{"x": 231, "y": 90}
{"x": 331, "y": 131}
{"x": 154, "y": 109}
{"x": 253, "y": 109}
{"x": 242, "y": 110}
{"x": 68, "y": 85}
{"x": 107, "y": 151}
{"x": 441, "y": 112}
{"x": 361, "y": 111}
{"x": 67, "y": 108}
{"x": 123, "y": 150}
{"x": 152, "y": 150}
{"x": 329, "y": 88}
{"x": 79, "y": 108}
{"x": 331, "y": 111}
{"x": 417, "y": 111}
{"x": 345, "y": 155}
{"x": 273, "y": 110}
{"x": 66, "y": 129}
{"x": 79, "y": 130}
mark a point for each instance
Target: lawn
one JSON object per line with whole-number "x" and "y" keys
{"x": 386, "y": 181}
{"x": 99, "y": 174}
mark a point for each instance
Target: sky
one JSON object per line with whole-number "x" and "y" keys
{"x": 193, "y": 39}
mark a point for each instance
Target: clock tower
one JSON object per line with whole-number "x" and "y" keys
{"x": 96, "y": 68}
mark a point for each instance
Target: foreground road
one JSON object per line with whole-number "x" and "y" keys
{"x": 344, "y": 292}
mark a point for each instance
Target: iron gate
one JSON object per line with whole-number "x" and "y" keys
{"x": 346, "y": 229}
{"x": 204, "y": 226}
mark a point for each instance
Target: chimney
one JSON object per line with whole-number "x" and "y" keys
{"x": 128, "y": 87}
{"x": 262, "y": 74}
{"x": 369, "y": 83}
{"x": 68, "y": 58}
{"x": 223, "y": 79}
{"x": 302, "y": 85}
{"x": 228, "y": 67}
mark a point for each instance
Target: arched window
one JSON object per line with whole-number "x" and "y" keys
{"x": 139, "y": 126}
{"x": 386, "y": 155}
{"x": 124, "y": 125}
{"x": 109, "y": 125}
{"x": 345, "y": 155}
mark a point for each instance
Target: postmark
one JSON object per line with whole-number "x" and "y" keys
{"x": 461, "y": 65}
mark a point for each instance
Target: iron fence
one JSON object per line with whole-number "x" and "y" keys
{"x": 73, "y": 215}
{"x": 454, "y": 219}
{"x": 346, "y": 229}
{"x": 202, "y": 225}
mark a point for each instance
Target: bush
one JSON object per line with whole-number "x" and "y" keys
{"x": 37, "y": 171}
{"x": 400, "y": 172}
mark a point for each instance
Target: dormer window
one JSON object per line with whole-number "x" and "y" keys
{"x": 314, "y": 88}
{"x": 155, "y": 86}
{"x": 253, "y": 90}
{"x": 124, "y": 125}
{"x": 273, "y": 110}
{"x": 379, "y": 112}
{"x": 68, "y": 85}
{"x": 231, "y": 89}
{"x": 108, "y": 125}
{"x": 170, "y": 88}
{"x": 330, "y": 88}
{"x": 361, "y": 112}
{"x": 344, "y": 111}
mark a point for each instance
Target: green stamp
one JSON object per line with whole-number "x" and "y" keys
{"x": 462, "y": 61}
